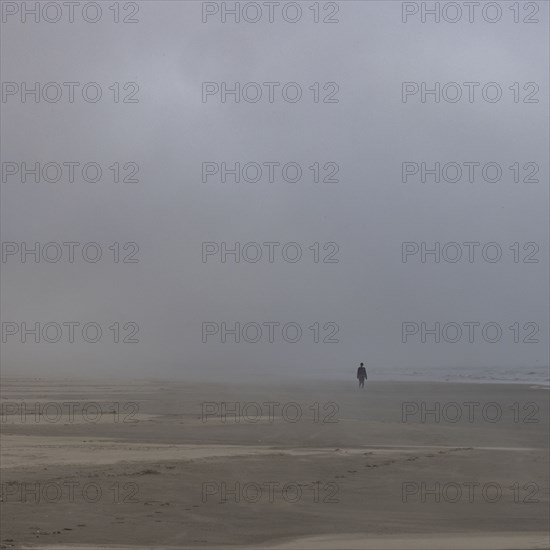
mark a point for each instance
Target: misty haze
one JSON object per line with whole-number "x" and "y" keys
{"x": 274, "y": 274}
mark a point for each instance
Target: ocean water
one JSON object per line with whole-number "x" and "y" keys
{"x": 524, "y": 375}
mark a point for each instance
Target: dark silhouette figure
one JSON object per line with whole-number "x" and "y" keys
{"x": 362, "y": 376}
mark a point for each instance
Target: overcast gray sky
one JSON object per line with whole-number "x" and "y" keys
{"x": 369, "y": 292}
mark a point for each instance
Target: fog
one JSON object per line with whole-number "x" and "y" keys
{"x": 360, "y": 299}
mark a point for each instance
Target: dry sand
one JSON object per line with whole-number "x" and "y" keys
{"x": 157, "y": 470}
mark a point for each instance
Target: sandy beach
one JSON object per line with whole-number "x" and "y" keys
{"x": 324, "y": 465}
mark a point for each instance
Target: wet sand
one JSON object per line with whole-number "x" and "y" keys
{"x": 322, "y": 466}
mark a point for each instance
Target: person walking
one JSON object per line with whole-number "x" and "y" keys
{"x": 362, "y": 376}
